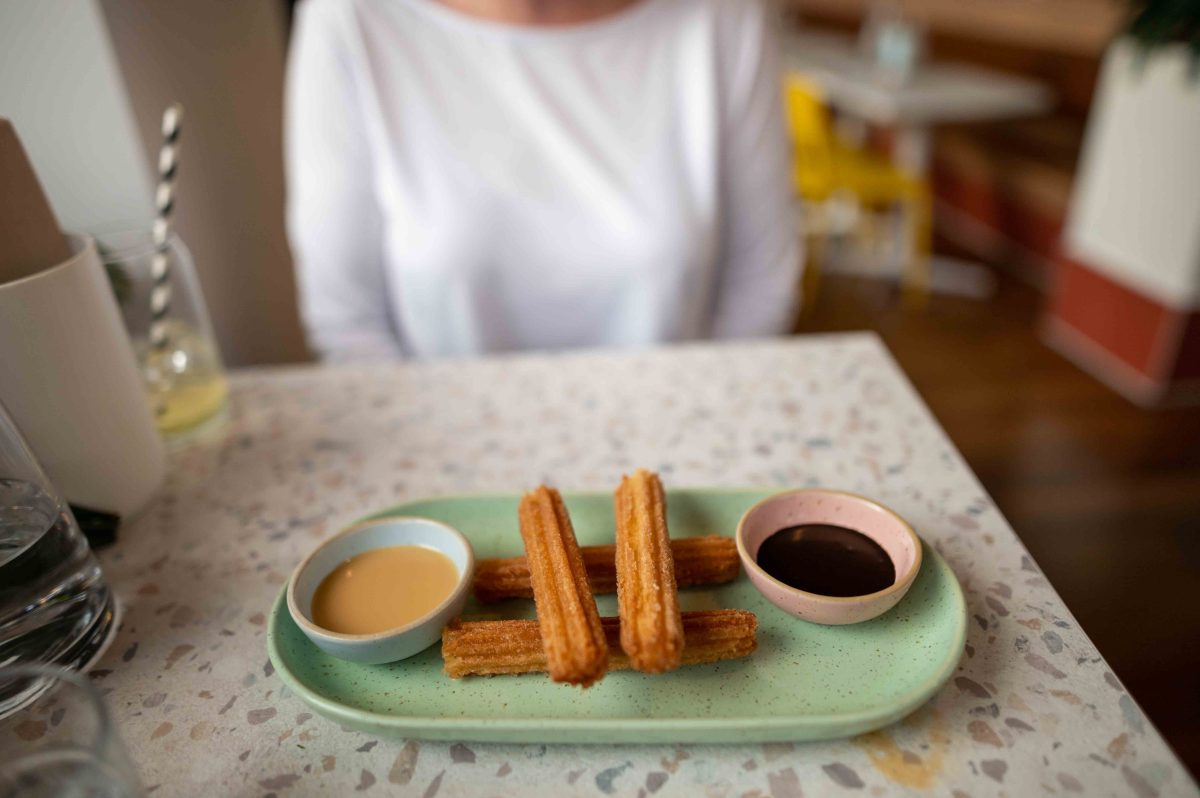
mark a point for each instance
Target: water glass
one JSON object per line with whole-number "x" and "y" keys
{"x": 184, "y": 377}
{"x": 64, "y": 744}
{"x": 55, "y": 607}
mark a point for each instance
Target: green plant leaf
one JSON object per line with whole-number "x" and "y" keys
{"x": 1157, "y": 23}
{"x": 122, "y": 286}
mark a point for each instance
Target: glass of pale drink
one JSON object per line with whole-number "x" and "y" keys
{"x": 185, "y": 379}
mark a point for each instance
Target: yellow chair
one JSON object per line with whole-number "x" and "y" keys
{"x": 826, "y": 167}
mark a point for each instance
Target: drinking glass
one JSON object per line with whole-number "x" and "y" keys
{"x": 64, "y": 744}
{"x": 55, "y": 607}
{"x": 185, "y": 379}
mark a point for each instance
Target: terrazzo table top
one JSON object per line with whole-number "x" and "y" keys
{"x": 1032, "y": 709}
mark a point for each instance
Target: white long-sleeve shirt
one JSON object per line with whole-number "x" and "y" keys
{"x": 460, "y": 186}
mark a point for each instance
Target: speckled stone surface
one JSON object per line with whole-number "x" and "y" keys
{"x": 1033, "y": 709}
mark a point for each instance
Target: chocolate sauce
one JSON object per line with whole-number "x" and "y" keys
{"x": 828, "y": 560}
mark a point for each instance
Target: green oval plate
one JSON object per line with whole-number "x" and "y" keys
{"x": 805, "y": 682}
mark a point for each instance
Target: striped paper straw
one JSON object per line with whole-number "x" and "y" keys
{"x": 164, "y": 202}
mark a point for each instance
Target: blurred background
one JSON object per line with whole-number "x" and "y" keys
{"x": 1008, "y": 191}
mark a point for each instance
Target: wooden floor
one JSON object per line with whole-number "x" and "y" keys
{"x": 1105, "y": 495}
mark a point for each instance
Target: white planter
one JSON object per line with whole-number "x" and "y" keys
{"x": 1135, "y": 213}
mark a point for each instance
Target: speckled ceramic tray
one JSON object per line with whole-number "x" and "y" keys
{"x": 805, "y": 682}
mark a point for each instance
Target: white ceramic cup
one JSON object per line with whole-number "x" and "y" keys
{"x": 69, "y": 380}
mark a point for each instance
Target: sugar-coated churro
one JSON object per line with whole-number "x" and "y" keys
{"x": 710, "y": 560}
{"x": 492, "y": 648}
{"x": 574, "y": 643}
{"x": 647, "y": 598}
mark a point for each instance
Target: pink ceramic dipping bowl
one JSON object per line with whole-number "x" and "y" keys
{"x": 847, "y": 510}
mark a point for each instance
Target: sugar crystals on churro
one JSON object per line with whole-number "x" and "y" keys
{"x": 651, "y": 629}
{"x": 708, "y": 560}
{"x": 493, "y": 648}
{"x": 576, "y": 651}
{"x": 569, "y": 640}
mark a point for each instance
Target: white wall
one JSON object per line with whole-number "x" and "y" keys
{"x": 1135, "y": 214}
{"x": 224, "y": 61}
{"x": 85, "y": 83}
{"x": 62, "y": 89}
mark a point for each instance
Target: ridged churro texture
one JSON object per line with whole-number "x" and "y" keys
{"x": 493, "y": 648}
{"x": 647, "y": 597}
{"x": 574, "y": 643}
{"x": 710, "y": 560}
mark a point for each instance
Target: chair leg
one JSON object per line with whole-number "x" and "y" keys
{"x": 810, "y": 281}
{"x": 919, "y": 223}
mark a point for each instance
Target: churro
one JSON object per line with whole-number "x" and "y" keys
{"x": 492, "y": 648}
{"x": 574, "y": 643}
{"x": 710, "y": 560}
{"x": 647, "y": 597}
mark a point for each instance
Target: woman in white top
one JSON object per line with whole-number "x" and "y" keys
{"x": 471, "y": 176}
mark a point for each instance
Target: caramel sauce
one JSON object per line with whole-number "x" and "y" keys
{"x": 382, "y": 589}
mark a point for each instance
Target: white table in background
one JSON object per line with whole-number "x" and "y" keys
{"x": 936, "y": 93}
{"x": 1032, "y": 709}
